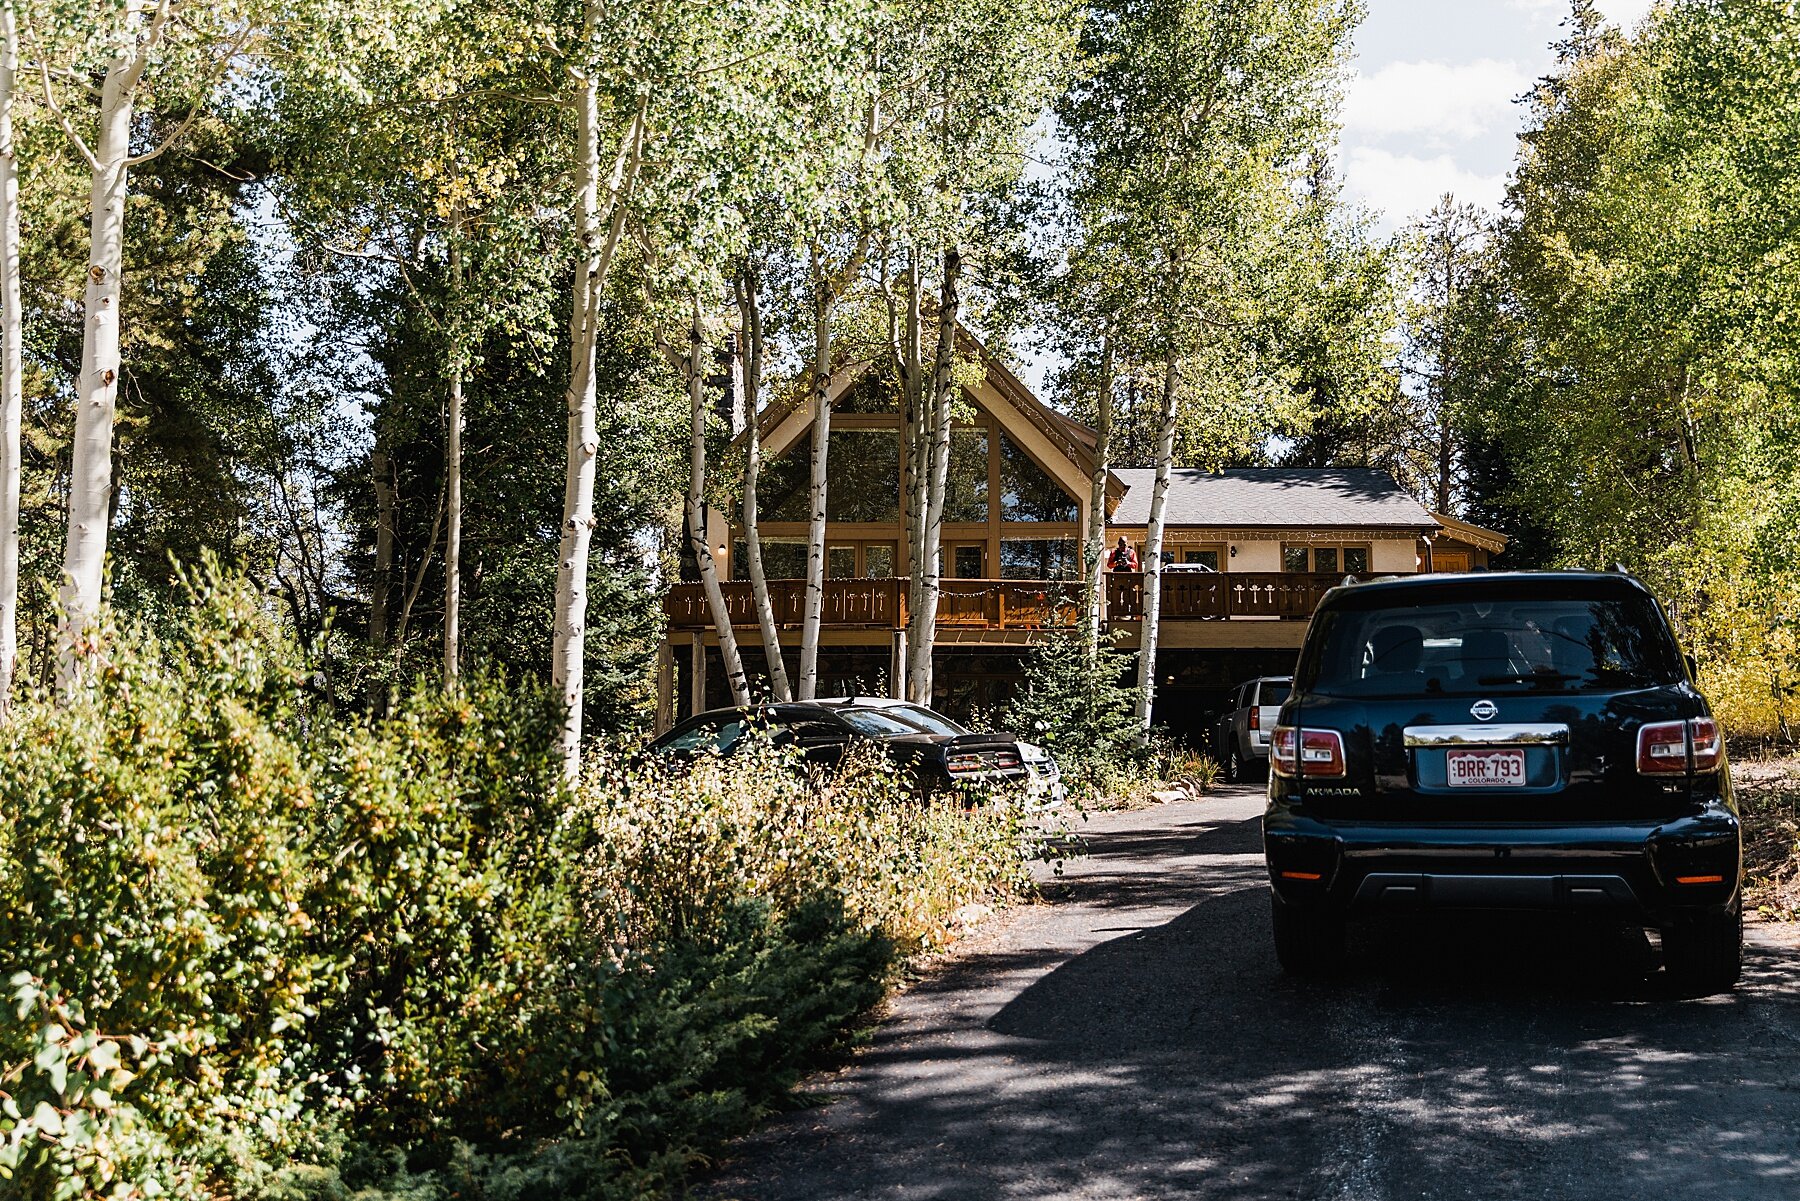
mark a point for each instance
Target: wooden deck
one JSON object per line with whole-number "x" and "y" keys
{"x": 1016, "y": 604}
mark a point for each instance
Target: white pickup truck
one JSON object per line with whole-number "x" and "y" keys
{"x": 1242, "y": 737}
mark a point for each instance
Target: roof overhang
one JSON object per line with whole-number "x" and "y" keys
{"x": 1492, "y": 541}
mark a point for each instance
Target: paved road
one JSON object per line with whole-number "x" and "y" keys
{"x": 1135, "y": 1039}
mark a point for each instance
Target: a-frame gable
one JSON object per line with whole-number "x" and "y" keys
{"x": 1050, "y": 439}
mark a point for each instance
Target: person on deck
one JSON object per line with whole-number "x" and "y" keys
{"x": 1122, "y": 558}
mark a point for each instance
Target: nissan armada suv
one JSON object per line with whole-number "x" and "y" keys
{"x": 1528, "y": 740}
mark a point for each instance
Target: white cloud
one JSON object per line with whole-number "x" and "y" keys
{"x": 1441, "y": 102}
{"x": 1541, "y": 10}
{"x": 1623, "y": 13}
{"x": 1403, "y": 186}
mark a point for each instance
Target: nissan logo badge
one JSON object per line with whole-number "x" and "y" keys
{"x": 1483, "y": 710}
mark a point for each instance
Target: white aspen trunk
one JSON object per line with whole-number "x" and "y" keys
{"x": 583, "y": 441}
{"x": 453, "y": 527}
{"x": 1165, "y": 461}
{"x": 821, "y": 445}
{"x": 96, "y": 391}
{"x": 750, "y": 336}
{"x": 453, "y": 480}
{"x": 943, "y": 381}
{"x": 918, "y": 473}
{"x": 1095, "y": 549}
{"x": 12, "y": 368}
{"x": 696, "y": 515}
{"x": 568, "y": 638}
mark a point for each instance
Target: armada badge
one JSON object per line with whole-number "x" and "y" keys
{"x": 1484, "y": 710}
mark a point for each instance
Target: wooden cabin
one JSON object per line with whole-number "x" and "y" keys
{"x": 1247, "y": 553}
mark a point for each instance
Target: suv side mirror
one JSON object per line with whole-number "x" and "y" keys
{"x": 1693, "y": 665}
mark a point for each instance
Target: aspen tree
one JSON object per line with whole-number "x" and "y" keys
{"x": 12, "y": 366}
{"x": 192, "y": 47}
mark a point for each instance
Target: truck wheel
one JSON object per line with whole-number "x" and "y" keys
{"x": 1704, "y": 953}
{"x": 1308, "y": 942}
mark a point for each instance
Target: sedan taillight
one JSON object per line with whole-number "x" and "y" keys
{"x": 963, "y": 764}
{"x": 1316, "y": 754}
{"x": 1665, "y": 748}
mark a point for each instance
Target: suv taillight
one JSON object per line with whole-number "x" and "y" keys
{"x": 1256, "y": 717}
{"x": 1664, "y": 747}
{"x": 1319, "y": 753}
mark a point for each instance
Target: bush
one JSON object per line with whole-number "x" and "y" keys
{"x": 1076, "y": 702}
{"x": 255, "y": 948}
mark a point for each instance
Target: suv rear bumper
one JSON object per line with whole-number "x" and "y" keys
{"x": 1655, "y": 870}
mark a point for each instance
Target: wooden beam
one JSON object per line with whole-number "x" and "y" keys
{"x": 665, "y": 686}
{"x": 697, "y": 674}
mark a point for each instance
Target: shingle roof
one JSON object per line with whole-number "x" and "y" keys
{"x": 1273, "y": 496}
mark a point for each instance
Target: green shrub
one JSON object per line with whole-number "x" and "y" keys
{"x": 254, "y": 948}
{"x": 1076, "y": 702}
{"x": 153, "y": 929}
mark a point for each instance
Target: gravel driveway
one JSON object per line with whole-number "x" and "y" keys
{"x": 1135, "y": 1039}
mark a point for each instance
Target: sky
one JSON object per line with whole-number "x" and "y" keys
{"x": 1431, "y": 108}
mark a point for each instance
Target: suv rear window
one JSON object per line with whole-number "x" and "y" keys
{"x": 1273, "y": 692}
{"x": 1486, "y": 646}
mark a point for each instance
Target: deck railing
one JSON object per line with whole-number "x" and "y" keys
{"x": 1016, "y": 604}
{"x": 878, "y": 603}
{"x": 1213, "y": 596}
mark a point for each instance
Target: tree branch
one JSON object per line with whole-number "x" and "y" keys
{"x": 212, "y": 78}
{"x": 62, "y": 119}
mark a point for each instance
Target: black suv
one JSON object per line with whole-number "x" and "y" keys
{"x": 1527, "y": 740}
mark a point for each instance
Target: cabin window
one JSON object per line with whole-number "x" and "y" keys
{"x": 1027, "y": 493}
{"x": 864, "y": 475}
{"x": 781, "y": 488}
{"x": 1039, "y": 559}
{"x": 862, "y": 479}
{"x": 870, "y": 394}
{"x": 783, "y": 558}
{"x": 1206, "y": 557}
{"x": 967, "y": 561}
{"x": 840, "y": 562}
{"x": 1326, "y": 560}
{"x": 966, "y": 493}
{"x": 878, "y": 560}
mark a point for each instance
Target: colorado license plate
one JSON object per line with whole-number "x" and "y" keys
{"x": 1486, "y": 769}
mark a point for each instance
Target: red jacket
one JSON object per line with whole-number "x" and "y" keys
{"x": 1125, "y": 560}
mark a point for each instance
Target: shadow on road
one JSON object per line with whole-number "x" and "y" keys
{"x": 1454, "y": 1059}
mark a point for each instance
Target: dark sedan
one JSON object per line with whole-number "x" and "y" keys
{"x": 940, "y": 753}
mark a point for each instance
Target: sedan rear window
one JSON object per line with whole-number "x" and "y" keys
{"x": 926, "y": 719}
{"x": 719, "y": 735}
{"x": 875, "y": 723}
{"x": 1481, "y": 646}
